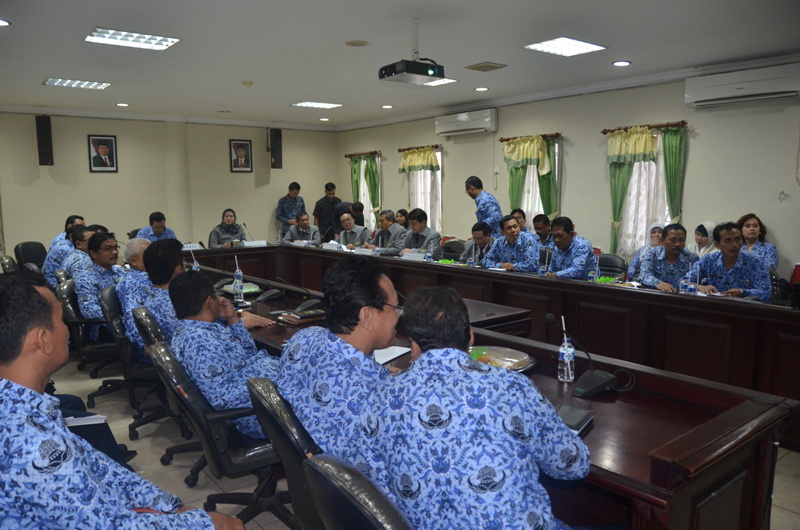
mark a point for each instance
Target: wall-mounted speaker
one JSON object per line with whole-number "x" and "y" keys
{"x": 276, "y": 148}
{"x": 44, "y": 140}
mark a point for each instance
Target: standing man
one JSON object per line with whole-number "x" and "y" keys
{"x": 323, "y": 213}
{"x": 351, "y": 235}
{"x": 302, "y": 231}
{"x": 664, "y": 266}
{"x": 157, "y": 228}
{"x": 479, "y": 245}
{"x": 390, "y": 238}
{"x": 541, "y": 225}
{"x": 517, "y": 251}
{"x": 488, "y": 208}
{"x": 289, "y": 206}
{"x": 420, "y": 237}
{"x": 355, "y": 209}
{"x": 574, "y": 256}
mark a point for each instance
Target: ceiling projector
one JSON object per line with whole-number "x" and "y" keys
{"x": 412, "y": 72}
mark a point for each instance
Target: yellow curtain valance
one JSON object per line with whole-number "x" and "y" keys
{"x": 526, "y": 151}
{"x": 634, "y": 145}
{"x": 423, "y": 159}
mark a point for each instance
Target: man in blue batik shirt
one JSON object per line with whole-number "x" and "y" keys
{"x": 663, "y": 267}
{"x": 731, "y": 272}
{"x": 488, "y": 208}
{"x": 458, "y": 443}
{"x": 327, "y": 375}
{"x": 59, "y": 250}
{"x": 133, "y": 290}
{"x": 163, "y": 261}
{"x": 220, "y": 358}
{"x": 50, "y": 477}
{"x": 157, "y": 229}
{"x": 289, "y": 207}
{"x": 541, "y": 225}
{"x": 574, "y": 256}
{"x": 78, "y": 258}
{"x": 64, "y": 236}
{"x": 103, "y": 272}
{"x": 517, "y": 251}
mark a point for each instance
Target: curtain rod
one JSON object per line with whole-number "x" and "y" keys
{"x": 651, "y": 126}
{"x": 374, "y": 153}
{"x": 548, "y": 135}
{"x": 403, "y": 149}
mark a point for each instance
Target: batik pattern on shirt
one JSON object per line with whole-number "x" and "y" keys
{"x": 523, "y": 254}
{"x": 220, "y": 359}
{"x": 51, "y": 478}
{"x": 548, "y": 241}
{"x": 288, "y": 209}
{"x": 489, "y": 211}
{"x": 147, "y": 233}
{"x": 54, "y": 261}
{"x": 58, "y": 239}
{"x": 459, "y": 444}
{"x": 766, "y": 252}
{"x": 327, "y": 382}
{"x": 75, "y": 261}
{"x": 576, "y": 262}
{"x": 88, "y": 284}
{"x": 748, "y": 274}
{"x": 132, "y": 292}
{"x": 656, "y": 269}
{"x": 160, "y": 306}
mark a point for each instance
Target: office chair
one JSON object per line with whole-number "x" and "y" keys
{"x": 8, "y": 264}
{"x": 61, "y": 276}
{"x": 453, "y": 249}
{"x": 545, "y": 255}
{"x": 229, "y": 454}
{"x": 32, "y": 267}
{"x": 292, "y": 443}
{"x": 30, "y": 252}
{"x": 133, "y": 233}
{"x": 612, "y": 265}
{"x": 347, "y": 499}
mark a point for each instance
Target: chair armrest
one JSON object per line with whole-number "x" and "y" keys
{"x": 87, "y": 321}
{"x": 229, "y": 414}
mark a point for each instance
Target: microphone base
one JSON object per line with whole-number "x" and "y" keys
{"x": 594, "y": 382}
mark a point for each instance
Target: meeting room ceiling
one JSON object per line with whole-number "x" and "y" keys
{"x": 295, "y": 51}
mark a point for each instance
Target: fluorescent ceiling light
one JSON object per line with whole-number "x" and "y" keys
{"x": 564, "y": 46}
{"x": 481, "y": 89}
{"x": 122, "y": 104}
{"x": 386, "y": 106}
{"x": 74, "y": 83}
{"x": 130, "y": 39}
{"x": 316, "y": 105}
{"x": 621, "y": 63}
{"x": 324, "y": 119}
{"x": 4, "y": 23}
{"x": 438, "y": 82}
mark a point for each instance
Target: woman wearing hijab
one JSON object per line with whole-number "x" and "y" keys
{"x": 703, "y": 242}
{"x": 754, "y": 232}
{"x": 225, "y": 232}
{"x": 654, "y": 232}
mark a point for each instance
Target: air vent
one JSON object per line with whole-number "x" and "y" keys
{"x": 486, "y": 66}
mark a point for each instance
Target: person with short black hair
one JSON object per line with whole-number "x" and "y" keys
{"x": 157, "y": 228}
{"x": 401, "y": 216}
{"x": 489, "y": 210}
{"x": 754, "y": 234}
{"x": 227, "y": 231}
{"x": 521, "y": 218}
{"x": 327, "y": 374}
{"x": 101, "y": 273}
{"x": 132, "y": 291}
{"x": 60, "y": 248}
{"x": 96, "y": 228}
{"x": 220, "y": 358}
{"x": 323, "y": 213}
{"x": 78, "y": 259}
{"x": 63, "y": 237}
{"x": 302, "y": 231}
{"x": 574, "y": 255}
{"x": 163, "y": 261}
{"x": 391, "y": 237}
{"x": 664, "y": 266}
{"x": 355, "y": 209}
{"x": 351, "y": 236}
{"x": 289, "y": 207}
{"x": 516, "y": 251}
{"x": 452, "y": 439}
{"x": 477, "y": 247}
{"x": 420, "y": 237}
{"x": 541, "y": 225}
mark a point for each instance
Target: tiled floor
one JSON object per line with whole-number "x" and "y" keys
{"x": 155, "y": 437}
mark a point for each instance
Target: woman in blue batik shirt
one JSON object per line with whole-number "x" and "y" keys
{"x": 754, "y": 233}
{"x": 654, "y": 239}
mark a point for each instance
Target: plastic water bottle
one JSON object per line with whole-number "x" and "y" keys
{"x": 195, "y": 266}
{"x": 566, "y": 361}
{"x": 542, "y": 270}
{"x": 592, "y": 278}
{"x": 428, "y": 255}
{"x": 470, "y": 262}
{"x": 376, "y": 252}
{"x": 238, "y": 286}
{"x": 684, "y": 285}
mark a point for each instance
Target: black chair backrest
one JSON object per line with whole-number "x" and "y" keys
{"x": 112, "y": 312}
{"x": 65, "y": 293}
{"x": 612, "y": 265}
{"x": 33, "y": 267}
{"x": 545, "y": 255}
{"x": 291, "y": 442}
{"x": 453, "y": 249}
{"x": 347, "y": 499}
{"x": 148, "y": 327}
{"x": 8, "y": 264}
{"x": 133, "y": 233}
{"x": 30, "y": 252}
{"x": 61, "y": 276}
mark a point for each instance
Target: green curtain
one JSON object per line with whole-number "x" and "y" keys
{"x": 420, "y": 159}
{"x": 355, "y": 172}
{"x": 674, "y": 142}
{"x": 519, "y": 153}
{"x": 548, "y": 189}
{"x": 516, "y": 184}
{"x": 373, "y": 182}
{"x": 620, "y": 178}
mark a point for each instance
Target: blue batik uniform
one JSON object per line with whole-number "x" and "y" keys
{"x": 160, "y": 306}
{"x": 656, "y": 269}
{"x": 766, "y": 252}
{"x": 220, "y": 359}
{"x": 748, "y": 274}
{"x": 74, "y": 262}
{"x": 548, "y": 241}
{"x": 489, "y": 211}
{"x": 58, "y": 239}
{"x": 52, "y": 478}
{"x": 523, "y": 255}
{"x": 88, "y": 284}
{"x": 459, "y": 444}
{"x": 147, "y": 233}
{"x": 576, "y": 262}
{"x": 132, "y": 292}
{"x": 327, "y": 382}
{"x": 54, "y": 261}
{"x": 288, "y": 209}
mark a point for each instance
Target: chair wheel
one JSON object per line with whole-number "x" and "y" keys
{"x": 210, "y": 506}
{"x": 135, "y": 404}
{"x": 90, "y": 403}
{"x": 138, "y": 415}
{"x": 187, "y": 434}
{"x": 94, "y": 374}
{"x": 133, "y": 435}
{"x": 166, "y": 459}
{"x": 191, "y": 481}
{"x": 81, "y": 367}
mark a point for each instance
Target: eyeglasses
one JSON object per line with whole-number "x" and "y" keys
{"x": 109, "y": 249}
{"x": 397, "y": 308}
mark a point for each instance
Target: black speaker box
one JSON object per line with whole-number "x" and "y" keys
{"x": 276, "y": 148}
{"x": 44, "y": 140}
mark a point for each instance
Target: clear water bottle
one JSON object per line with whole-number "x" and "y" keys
{"x": 238, "y": 286}
{"x": 566, "y": 361}
{"x": 195, "y": 266}
{"x": 376, "y": 252}
{"x": 428, "y": 255}
{"x": 592, "y": 276}
{"x": 470, "y": 262}
{"x": 684, "y": 285}
{"x": 542, "y": 270}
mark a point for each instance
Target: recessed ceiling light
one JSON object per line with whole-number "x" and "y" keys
{"x": 481, "y": 89}
{"x": 438, "y": 82}
{"x": 324, "y": 119}
{"x": 564, "y": 46}
{"x": 247, "y": 83}
{"x": 130, "y": 39}
{"x": 74, "y": 83}
{"x": 621, "y": 63}
{"x": 122, "y": 104}
{"x": 316, "y": 105}
{"x": 357, "y": 43}
{"x": 386, "y": 106}
{"x": 4, "y": 23}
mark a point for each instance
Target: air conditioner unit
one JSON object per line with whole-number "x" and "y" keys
{"x": 759, "y": 84}
{"x": 467, "y": 122}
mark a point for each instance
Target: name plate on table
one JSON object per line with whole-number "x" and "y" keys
{"x": 414, "y": 256}
{"x": 300, "y": 243}
{"x": 192, "y": 246}
{"x": 363, "y": 252}
{"x": 330, "y": 245}
{"x": 259, "y": 243}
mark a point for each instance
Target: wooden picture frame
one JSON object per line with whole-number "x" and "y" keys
{"x": 241, "y": 156}
{"x": 102, "y": 151}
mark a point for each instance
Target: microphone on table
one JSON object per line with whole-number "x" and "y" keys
{"x": 322, "y": 236}
{"x": 311, "y": 301}
{"x": 248, "y": 231}
{"x": 592, "y": 382}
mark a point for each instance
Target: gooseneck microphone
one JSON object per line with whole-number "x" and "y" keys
{"x": 592, "y": 382}
{"x": 248, "y": 231}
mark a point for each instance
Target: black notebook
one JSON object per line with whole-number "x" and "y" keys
{"x": 575, "y": 418}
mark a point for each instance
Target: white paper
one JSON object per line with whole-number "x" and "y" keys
{"x": 259, "y": 243}
{"x": 299, "y": 243}
{"x": 389, "y": 354}
{"x": 330, "y": 246}
{"x": 414, "y": 256}
{"x": 363, "y": 251}
{"x": 87, "y": 420}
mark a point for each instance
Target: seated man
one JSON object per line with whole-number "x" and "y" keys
{"x": 52, "y": 478}
{"x": 663, "y": 267}
{"x": 517, "y": 251}
{"x": 78, "y": 258}
{"x": 103, "y": 272}
{"x": 355, "y": 209}
{"x": 326, "y": 375}
{"x": 477, "y": 247}
{"x": 421, "y": 238}
{"x": 522, "y": 219}
{"x": 163, "y": 261}
{"x": 456, "y": 441}
{"x": 351, "y": 234}
{"x": 219, "y": 358}
{"x": 133, "y": 290}
{"x": 731, "y": 272}
{"x": 390, "y": 238}
{"x": 157, "y": 228}
{"x": 63, "y": 237}
{"x": 541, "y": 225}
{"x": 59, "y": 249}
{"x": 574, "y": 256}
{"x": 302, "y": 231}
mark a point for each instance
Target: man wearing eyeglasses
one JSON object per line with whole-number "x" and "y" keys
{"x": 103, "y": 272}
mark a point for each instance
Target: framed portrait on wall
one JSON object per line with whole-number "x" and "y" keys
{"x": 240, "y": 156}
{"x": 102, "y": 154}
